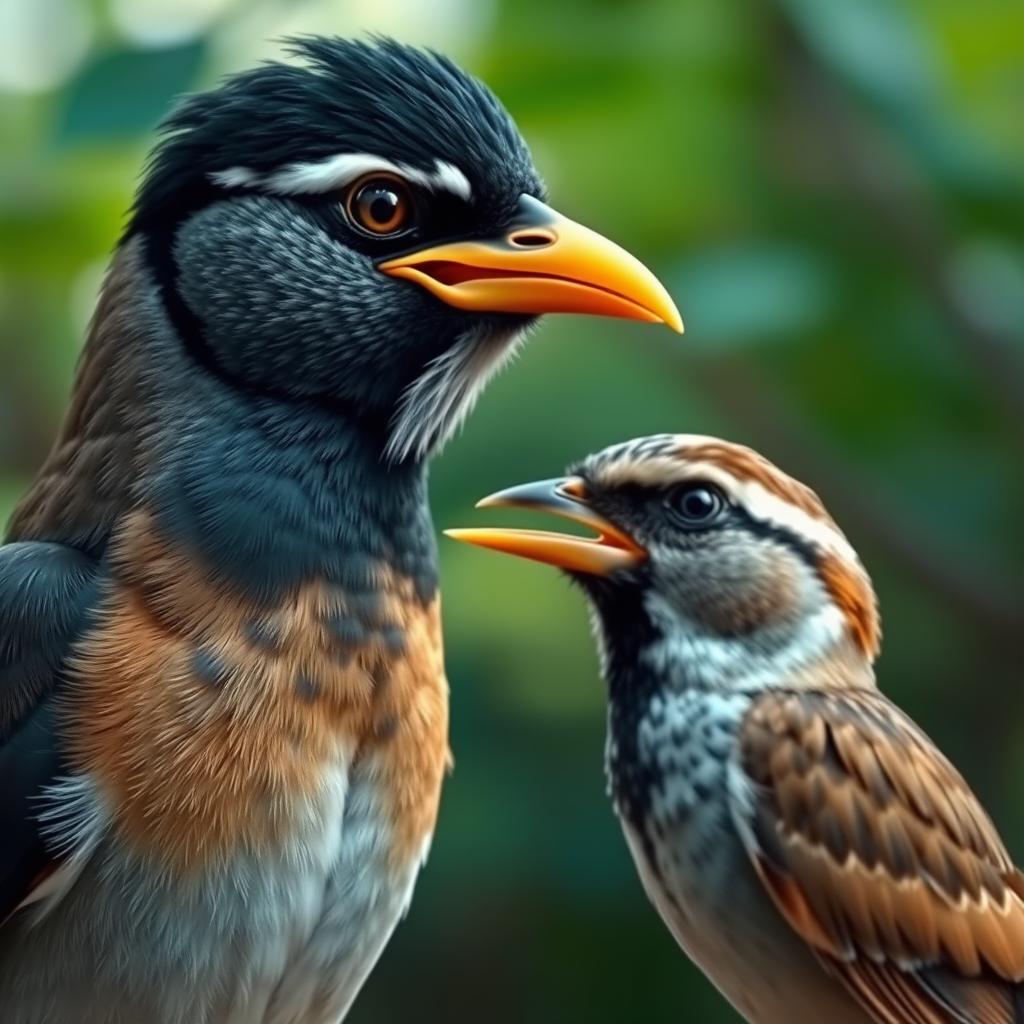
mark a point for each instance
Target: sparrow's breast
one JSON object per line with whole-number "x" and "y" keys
{"x": 667, "y": 760}
{"x": 668, "y": 763}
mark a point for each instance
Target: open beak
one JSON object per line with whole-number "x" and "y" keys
{"x": 565, "y": 497}
{"x": 544, "y": 263}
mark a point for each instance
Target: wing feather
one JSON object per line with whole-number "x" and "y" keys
{"x": 44, "y": 596}
{"x": 877, "y": 853}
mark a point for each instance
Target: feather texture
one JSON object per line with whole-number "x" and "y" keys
{"x": 877, "y": 853}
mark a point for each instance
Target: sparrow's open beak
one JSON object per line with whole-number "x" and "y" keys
{"x": 544, "y": 263}
{"x": 565, "y": 497}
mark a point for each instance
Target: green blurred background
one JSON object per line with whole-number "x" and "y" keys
{"x": 832, "y": 190}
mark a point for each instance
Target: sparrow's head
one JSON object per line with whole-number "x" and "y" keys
{"x": 366, "y": 230}
{"x": 705, "y": 555}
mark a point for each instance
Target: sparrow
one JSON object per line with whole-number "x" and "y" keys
{"x": 808, "y": 846}
{"x": 223, "y": 709}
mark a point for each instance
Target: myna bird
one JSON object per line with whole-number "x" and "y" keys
{"x": 223, "y": 711}
{"x": 804, "y": 841}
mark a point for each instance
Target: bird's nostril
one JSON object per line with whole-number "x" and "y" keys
{"x": 575, "y": 488}
{"x": 532, "y": 238}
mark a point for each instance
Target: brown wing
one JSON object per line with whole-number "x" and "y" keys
{"x": 875, "y": 850}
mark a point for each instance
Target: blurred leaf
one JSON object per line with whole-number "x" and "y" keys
{"x": 988, "y": 278}
{"x": 885, "y": 53}
{"x": 960, "y": 492}
{"x": 751, "y": 293}
{"x": 875, "y": 44}
{"x": 125, "y": 92}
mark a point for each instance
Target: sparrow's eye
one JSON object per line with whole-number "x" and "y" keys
{"x": 697, "y": 504}
{"x": 380, "y": 206}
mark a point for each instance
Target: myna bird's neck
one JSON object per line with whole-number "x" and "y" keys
{"x": 266, "y": 492}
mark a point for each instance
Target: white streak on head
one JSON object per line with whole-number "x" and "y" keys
{"x": 235, "y": 177}
{"x": 449, "y": 178}
{"x": 438, "y": 401}
{"x": 770, "y": 509}
{"x": 626, "y": 463}
{"x": 821, "y": 633}
{"x": 342, "y": 169}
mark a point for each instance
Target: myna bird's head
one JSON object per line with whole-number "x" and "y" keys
{"x": 366, "y": 230}
{"x": 701, "y": 551}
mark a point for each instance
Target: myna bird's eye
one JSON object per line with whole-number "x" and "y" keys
{"x": 380, "y": 206}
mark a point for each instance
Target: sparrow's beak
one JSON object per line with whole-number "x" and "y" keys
{"x": 544, "y": 263}
{"x": 565, "y": 497}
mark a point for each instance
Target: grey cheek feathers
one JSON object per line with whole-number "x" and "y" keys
{"x": 339, "y": 170}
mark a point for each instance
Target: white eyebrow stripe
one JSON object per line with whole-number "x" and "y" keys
{"x": 341, "y": 169}
{"x": 627, "y": 466}
{"x": 448, "y": 177}
{"x": 235, "y": 177}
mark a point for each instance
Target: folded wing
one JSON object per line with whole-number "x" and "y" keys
{"x": 45, "y": 594}
{"x": 876, "y": 852}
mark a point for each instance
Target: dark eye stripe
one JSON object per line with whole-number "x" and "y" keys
{"x": 799, "y": 545}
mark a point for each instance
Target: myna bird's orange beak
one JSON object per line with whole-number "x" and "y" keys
{"x": 565, "y": 497}
{"x": 544, "y": 263}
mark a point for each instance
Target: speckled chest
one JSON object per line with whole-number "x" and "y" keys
{"x": 667, "y": 761}
{"x": 694, "y": 866}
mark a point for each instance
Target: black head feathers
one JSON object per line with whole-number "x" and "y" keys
{"x": 407, "y": 105}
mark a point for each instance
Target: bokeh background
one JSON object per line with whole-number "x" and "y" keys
{"x": 832, "y": 190}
